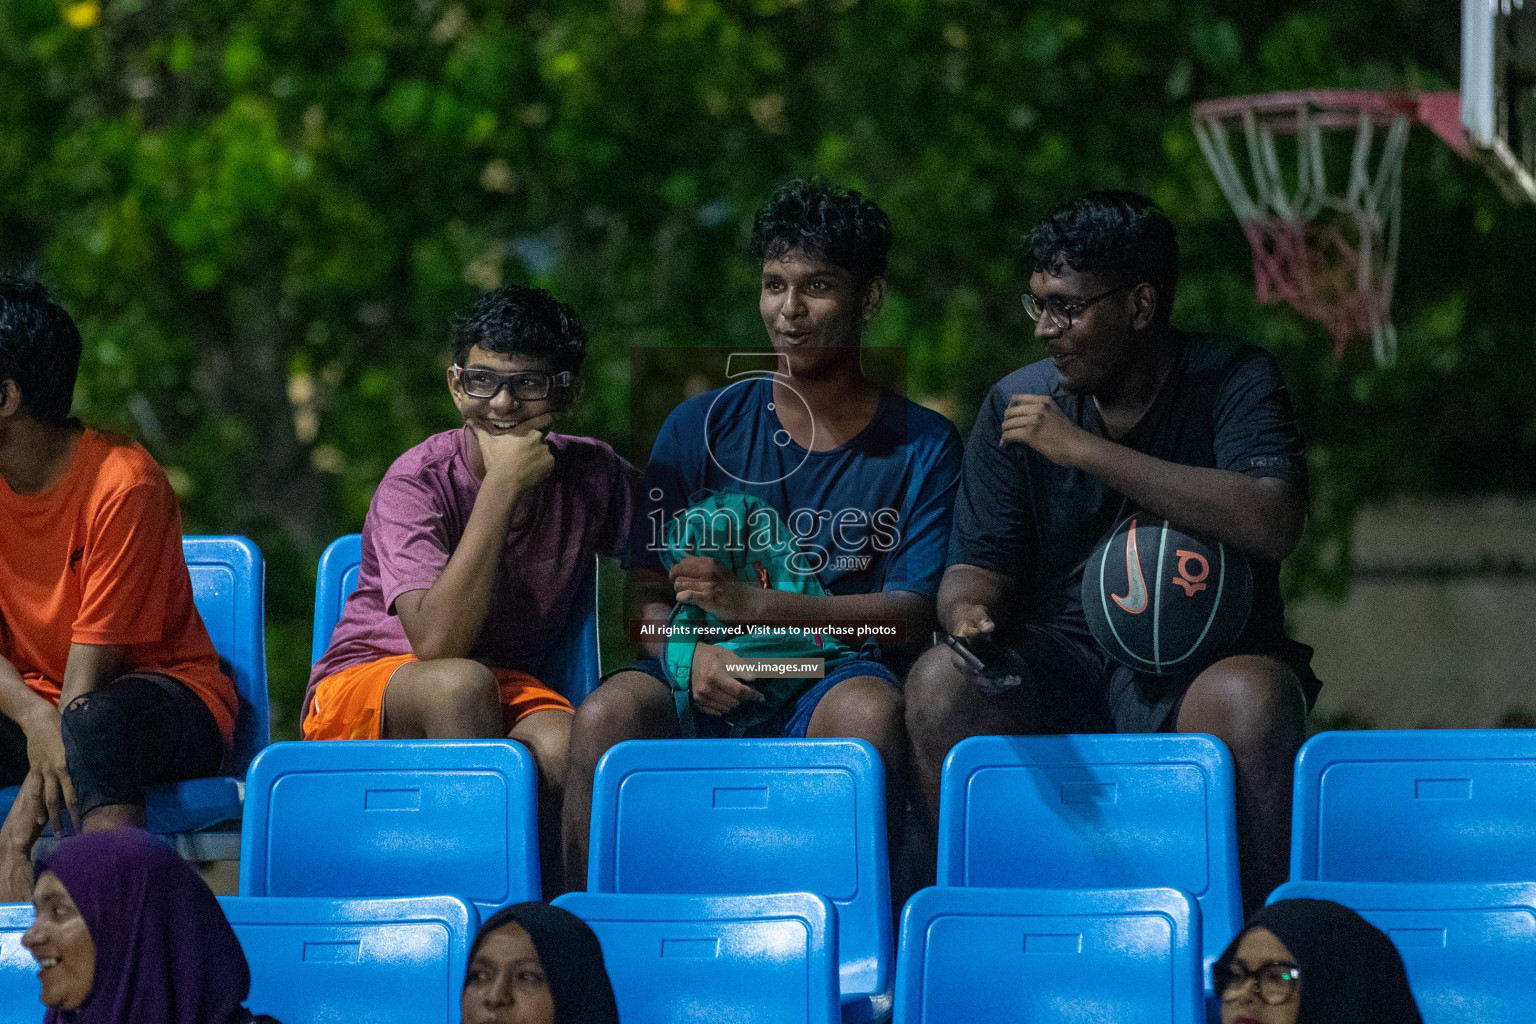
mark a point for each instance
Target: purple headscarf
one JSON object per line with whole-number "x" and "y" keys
{"x": 164, "y": 951}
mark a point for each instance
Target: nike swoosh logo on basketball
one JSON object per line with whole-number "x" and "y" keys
{"x": 1135, "y": 600}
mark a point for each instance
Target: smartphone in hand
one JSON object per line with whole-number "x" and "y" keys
{"x": 986, "y": 658}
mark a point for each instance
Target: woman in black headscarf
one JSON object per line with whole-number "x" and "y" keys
{"x": 537, "y": 964}
{"x": 1313, "y": 962}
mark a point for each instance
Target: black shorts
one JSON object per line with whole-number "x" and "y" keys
{"x": 138, "y": 731}
{"x": 1081, "y": 689}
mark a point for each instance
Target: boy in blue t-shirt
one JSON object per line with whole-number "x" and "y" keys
{"x": 859, "y": 477}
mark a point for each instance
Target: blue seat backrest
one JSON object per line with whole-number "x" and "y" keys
{"x": 1021, "y": 956}
{"x": 392, "y": 818}
{"x": 20, "y": 993}
{"x": 744, "y": 959}
{"x": 573, "y": 667}
{"x": 385, "y": 961}
{"x": 754, "y": 816}
{"x": 1452, "y": 805}
{"x": 229, "y": 589}
{"x": 334, "y": 582}
{"x": 1469, "y": 949}
{"x": 1079, "y": 812}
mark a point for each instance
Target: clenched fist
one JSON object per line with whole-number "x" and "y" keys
{"x": 520, "y": 456}
{"x": 1037, "y": 421}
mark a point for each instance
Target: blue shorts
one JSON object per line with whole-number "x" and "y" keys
{"x": 795, "y": 718}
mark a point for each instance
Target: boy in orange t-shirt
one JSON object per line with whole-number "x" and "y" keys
{"x": 108, "y": 681}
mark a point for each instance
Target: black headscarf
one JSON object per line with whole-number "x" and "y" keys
{"x": 1350, "y": 971}
{"x": 572, "y": 960}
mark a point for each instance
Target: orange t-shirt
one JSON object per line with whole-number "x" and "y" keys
{"x": 96, "y": 559}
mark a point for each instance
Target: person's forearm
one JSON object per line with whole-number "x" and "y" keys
{"x": 23, "y": 824}
{"x": 89, "y": 667}
{"x": 1263, "y": 517}
{"x": 452, "y": 611}
{"x": 967, "y": 586}
{"x": 17, "y": 701}
{"x": 649, "y": 601}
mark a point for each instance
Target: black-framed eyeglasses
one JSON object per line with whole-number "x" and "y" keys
{"x": 528, "y": 386}
{"x": 1276, "y": 980}
{"x": 1062, "y": 314}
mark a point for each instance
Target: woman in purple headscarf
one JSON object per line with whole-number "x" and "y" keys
{"x": 127, "y": 933}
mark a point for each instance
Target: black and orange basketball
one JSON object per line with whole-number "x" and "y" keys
{"x": 1160, "y": 600}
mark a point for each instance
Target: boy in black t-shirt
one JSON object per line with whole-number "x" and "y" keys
{"x": 1127, "y": 413}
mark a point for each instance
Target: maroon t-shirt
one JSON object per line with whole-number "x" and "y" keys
{"x": 581, "y": 509}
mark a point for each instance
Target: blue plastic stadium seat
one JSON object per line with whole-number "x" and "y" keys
{"x": 385, "y": 961}
{"x": 1469, "y": 949}
{"x": 1080, "y": 812}
{"x": 20, "y": 1001}
{"x": 228, "y": 587}
{"x": 1039, "y": 956}
{"x": 732, "y": 817}
{"x": 728, "y": 959}
{"x": 334, "y": 583}
{"x": 573, "y": 668}
{"x": 392, "y": 818}
{"x": 1451, "y": 805}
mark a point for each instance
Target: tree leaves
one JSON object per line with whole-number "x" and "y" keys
{"x": 234, "y": 196}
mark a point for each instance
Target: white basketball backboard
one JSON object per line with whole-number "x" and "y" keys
{"x": 1498, "y": 90}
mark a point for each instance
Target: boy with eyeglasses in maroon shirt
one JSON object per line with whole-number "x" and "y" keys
{"x": 474, "y": 548}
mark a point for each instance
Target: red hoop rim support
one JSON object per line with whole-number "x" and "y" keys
{"x": 1440, "y": 112}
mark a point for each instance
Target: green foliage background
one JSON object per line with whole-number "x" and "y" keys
{"x": 263, "y": 212}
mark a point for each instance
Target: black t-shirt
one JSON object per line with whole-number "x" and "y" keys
{"x": 1224, "y": 406}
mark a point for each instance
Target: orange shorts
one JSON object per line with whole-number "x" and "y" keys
{"x": 350, "y": 704}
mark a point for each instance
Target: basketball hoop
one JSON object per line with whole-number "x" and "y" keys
{"x": 1333, "y": 255}
{"x": 1330, "y": 254}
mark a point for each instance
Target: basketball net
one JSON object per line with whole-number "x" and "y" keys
{"x": 1331, "y": 254}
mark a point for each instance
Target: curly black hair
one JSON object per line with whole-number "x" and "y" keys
{"x": 826, "y": 223}
{"x": 1120, "y": 235}
{"x": 39, "y": 349}
{"x": 522, "y": 322}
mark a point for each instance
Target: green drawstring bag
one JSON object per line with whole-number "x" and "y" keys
{"x": 745, "y": 535}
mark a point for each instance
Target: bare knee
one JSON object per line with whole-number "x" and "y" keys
{"x": 1254, "y": 703}
{"x": 465, "y": 684}
{"x": 443, "y": 698}
{"x": 936, "y": 695}
{"x": 864, "y": 707}
{"x": 630, "y": 705}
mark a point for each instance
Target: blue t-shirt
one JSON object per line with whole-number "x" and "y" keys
{"x": 871, "y": 515}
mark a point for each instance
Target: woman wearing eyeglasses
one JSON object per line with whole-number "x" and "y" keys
{"x": 1313, "y": 962}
